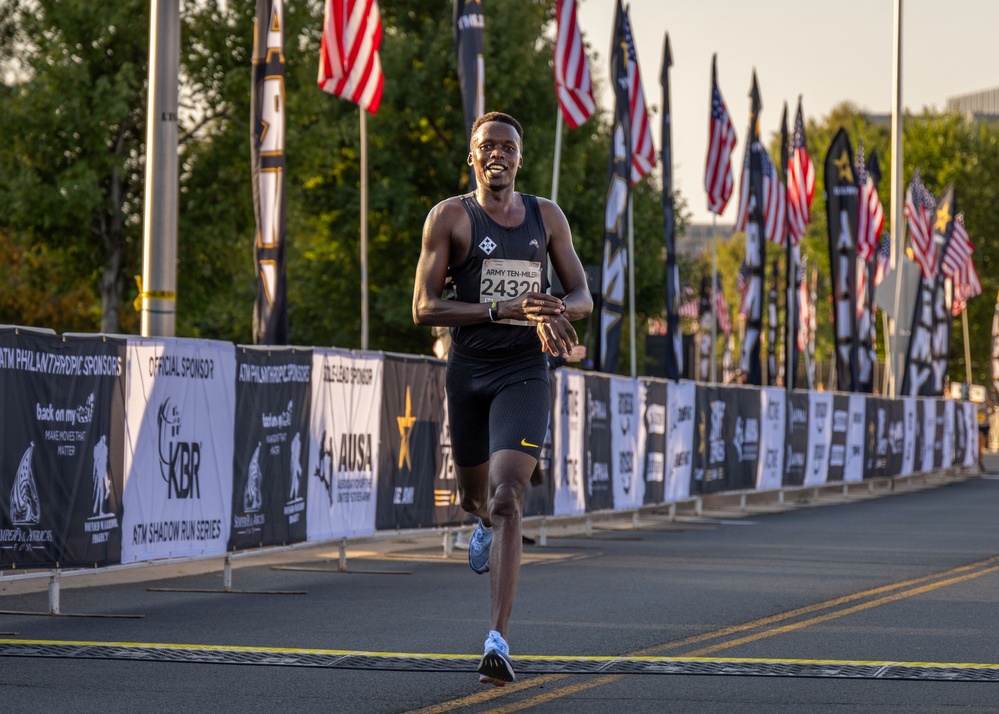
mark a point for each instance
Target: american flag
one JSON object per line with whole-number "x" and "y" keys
{"x": 349, "y": 65}
{"x": 882, "y": 257}
{"x": 919, "y": 207}
{"x": 966, "y": 286}
{"x": 871, "y": 218}
{"x": 800, "y": 182}
{"x": 572, "y": 70}
{"x": 774, "y": 203}
{"x": 721, "y": 140}
{"x": 959, "y": 248}
{"x": 690, "y": 308}
{"x": 721, "y": 306}
{"x": 643, "y": 153}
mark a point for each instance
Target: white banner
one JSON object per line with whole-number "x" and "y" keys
{"x": 948, "y": 434}
{"x": 970, "y": 434}
{"x": 820, "y": 426}
{"x": 179, "y": 419}
{"x": 909, "y": 413}
{"x": 345, "y": 432}
{"x": 770, "y": 466}
{"x": 570, "y": 494}
{"x": 679, "y": 439}
{"x": 853, "y": 462}
{"x": 629, "y": 486}
{"x": 929, "y": 434}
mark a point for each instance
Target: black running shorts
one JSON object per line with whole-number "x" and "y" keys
{"x": 496, "y": 401}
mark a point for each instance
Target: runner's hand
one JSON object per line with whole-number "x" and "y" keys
{"x": 557, "y": 336}
{"x": 535, "y": 307}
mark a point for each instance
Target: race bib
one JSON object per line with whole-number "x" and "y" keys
{"x": 503, "y": 279}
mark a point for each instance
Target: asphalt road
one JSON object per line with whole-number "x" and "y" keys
{"x": 837, "y": 605}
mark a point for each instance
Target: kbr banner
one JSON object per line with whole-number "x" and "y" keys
{"x": 270, "y": 454}
{"x": 61, "y": 456}
{"x": 415, "y": 486}
{"x": 570, "y": 491}
{"x": 345, "y": 433}
{"x": 179, "y": 428}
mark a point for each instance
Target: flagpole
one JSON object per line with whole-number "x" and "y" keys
{"x": 714, "y": 311}
{"x": 897, "y": 245}
{"x": 558, "y": 154}
{"x": 364, "y": 228}
{"x": 631, "y": 283}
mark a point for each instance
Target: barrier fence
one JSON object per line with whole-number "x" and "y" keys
{"x": 127, "y": 450}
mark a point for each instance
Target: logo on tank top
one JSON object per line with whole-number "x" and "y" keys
{"x": 487, "y": 245}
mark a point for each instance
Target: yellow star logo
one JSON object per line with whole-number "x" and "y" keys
{"x": 843, "y": 167}
{"x": 405, "y": 429}
{"x": 943, "y": 218}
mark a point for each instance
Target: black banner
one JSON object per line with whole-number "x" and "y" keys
{"x": 772, "y": 331}
{"x": 755, "y": 247}
{"x": 929, "y": 344}
{"x": 797, "y": 440}
{"x": 884, "y": 437}
{"x": 654, "y": 419}
{"x": 468, "y": 23}
{"x": 416, "y": 486}
{"x": 61, "y": 464}
{"x": 270, "y": 309}
{"x": 271, "y": 449}
{"x": 841, "y": 216}
{"x": 674, "y": 345}
{"x": 726, "y": 439}
{"x": 598, "y": 466}
{"x": 614, "y": 267}
{"x": 838, "y": 441}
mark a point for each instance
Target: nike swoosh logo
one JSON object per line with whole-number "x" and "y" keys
{"x": 523, "y": 442}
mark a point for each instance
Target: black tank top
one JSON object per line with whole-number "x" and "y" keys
{"x": 502, "y": 263}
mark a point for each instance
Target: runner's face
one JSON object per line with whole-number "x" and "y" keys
{"x": 495, "y": 155}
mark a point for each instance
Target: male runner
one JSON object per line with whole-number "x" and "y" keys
{"x": 490, "y": 249}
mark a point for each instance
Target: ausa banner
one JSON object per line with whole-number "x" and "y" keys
{"x": 179, "y": 426}
{"x": 271, "y": 455}
{"x": 344, "y": 444}
{"x": 416, "y": 488}
{"x": 61, "y": 459}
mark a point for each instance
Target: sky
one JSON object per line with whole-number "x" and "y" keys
{"x": 827, "y": 51}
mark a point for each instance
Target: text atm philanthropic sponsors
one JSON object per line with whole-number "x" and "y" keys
{"x": 344, "y": 443}
{"x": 60, "y": 466}
{"x": 270, "y": 460}
{"x": 179, "y": 429}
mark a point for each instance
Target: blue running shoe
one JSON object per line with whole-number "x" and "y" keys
{"x": 478, "y": 548}
{"x": 496, "y": 667}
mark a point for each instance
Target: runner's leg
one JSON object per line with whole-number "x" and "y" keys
{"x": 509, "y": 474}
{"x": 473, "y": 490}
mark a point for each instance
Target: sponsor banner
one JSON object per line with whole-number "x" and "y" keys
{"x": 570, "y": 491}
{"x": 947, "y": 434}
{"x": 796, "y": 450}
{"x": 877, "y": 436}
{"x": 728, "y": 439}
{"x": 628, "y": 484}
{"x": 820, "y": 431}
{"x": 838, "y": 429}
{"x": 344, "y": 443}
{"x": 896, "y": 437}
{"x": 270, "y": 451}
{"x": 911, "y": 433}
{"x": 598, "y": 465}
{"x": 652, "y": 438}
{"x": 61, "y": 460}
{"x": 680, "y": 404}
{"x": 770, "y": 471}
{"x": 416, "y": 486}
{"x": 938, "y": 438}
{"x": 960, "y": 437}
{"x": 179, "y": 427}
{"x": 927, "y": 433}
{"x": 853, "y": 461}
{"x": 970, "y": 434}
